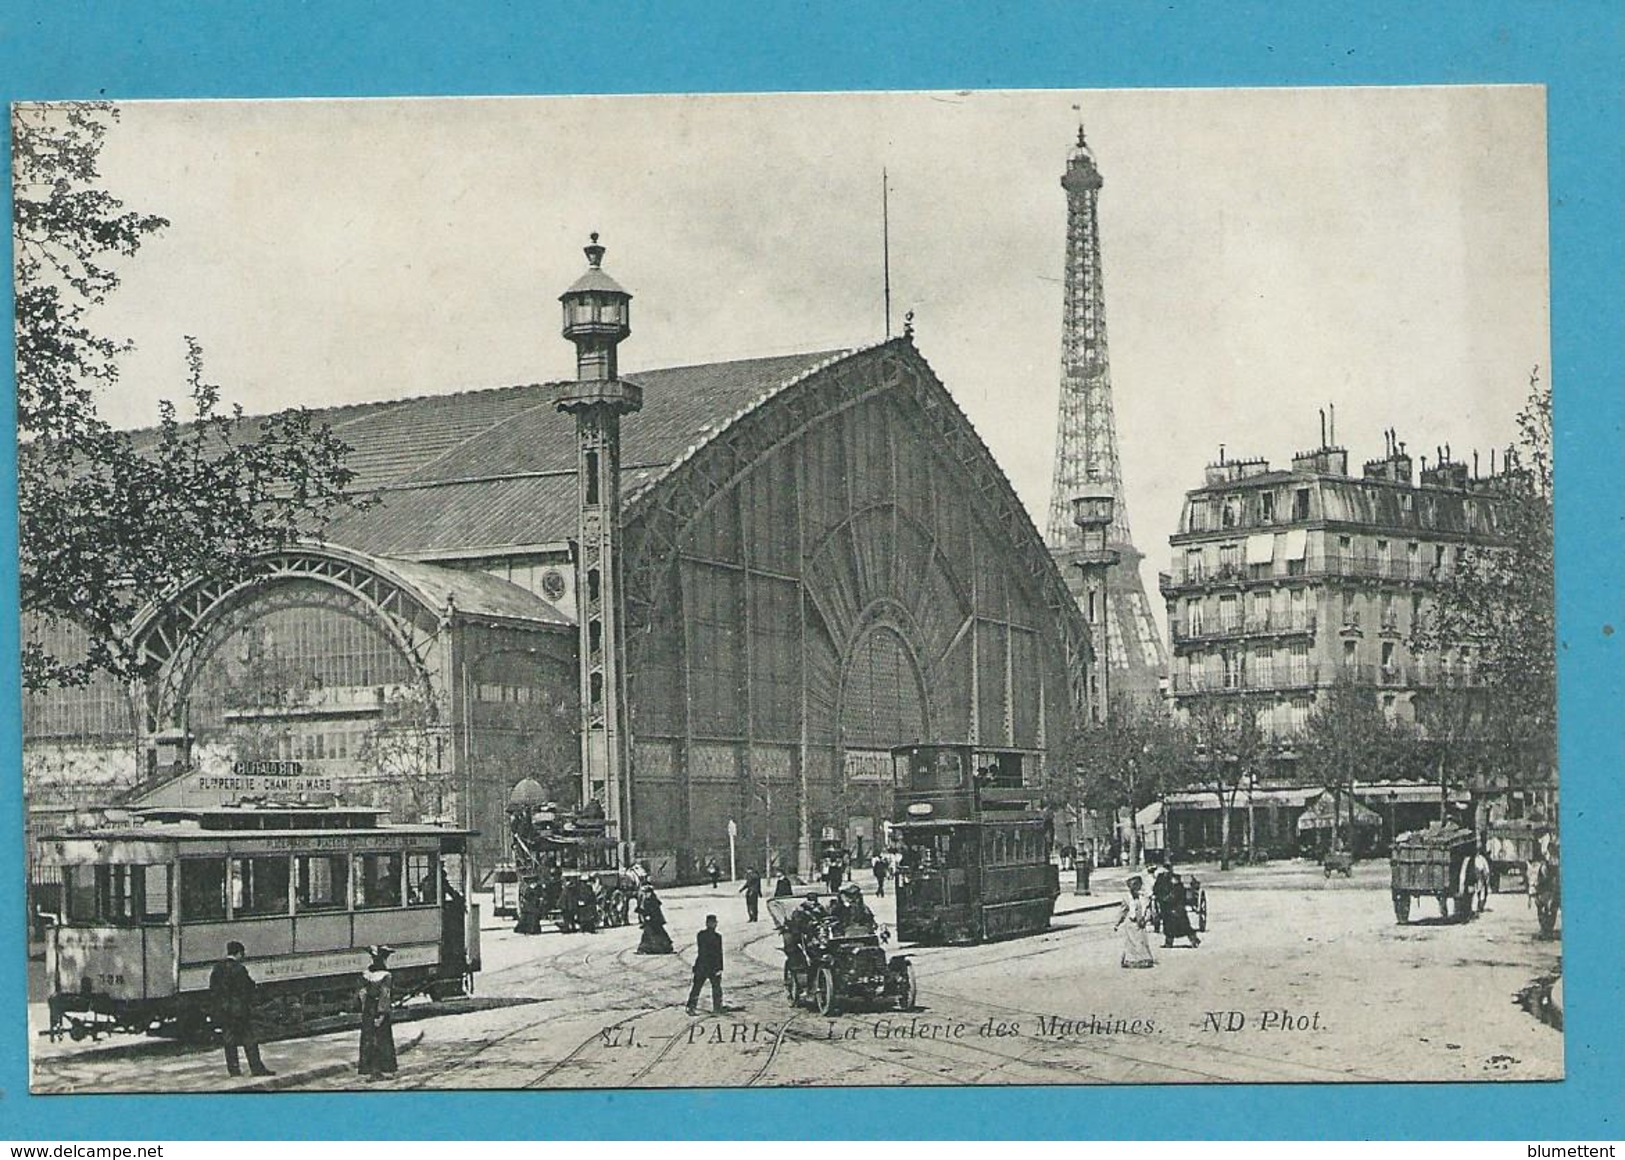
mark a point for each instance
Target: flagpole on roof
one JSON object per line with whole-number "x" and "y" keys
{"x": 885, "y": 246}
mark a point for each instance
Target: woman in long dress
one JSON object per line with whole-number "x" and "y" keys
{"x": 377, "y": 1029}
{"x": 652, "y": 918}
{"x": 1132, "y": 918}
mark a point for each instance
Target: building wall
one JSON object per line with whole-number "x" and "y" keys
{"x": 1282, "y": 583}
{"x": 296, "y": 688}
{"x": 844, "y": 590}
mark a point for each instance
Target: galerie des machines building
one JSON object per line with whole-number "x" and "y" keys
{"x": 815, "y": 558}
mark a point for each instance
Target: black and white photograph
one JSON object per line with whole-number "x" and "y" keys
{"x": 1042, "y": 587}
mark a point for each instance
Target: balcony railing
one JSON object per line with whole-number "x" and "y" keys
{"x": 1248, "y": 680}
{"x": 1354, "y": 564}
{"x": 1183, "y": 630}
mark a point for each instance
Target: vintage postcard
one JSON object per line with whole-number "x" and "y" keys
{"x": 867, "y": 589}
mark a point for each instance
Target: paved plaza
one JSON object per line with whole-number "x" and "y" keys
{"x": 1298, "y": 978}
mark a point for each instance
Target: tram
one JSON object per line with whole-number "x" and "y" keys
{"x": 975, "y": 844}
{"x": 570, "y": 861}
{"x": 150, "y": 901}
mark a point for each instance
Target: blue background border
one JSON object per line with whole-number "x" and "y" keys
{"x": 172, "y": 49}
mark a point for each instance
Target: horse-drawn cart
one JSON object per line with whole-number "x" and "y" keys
{"x": 1436, "y": 862}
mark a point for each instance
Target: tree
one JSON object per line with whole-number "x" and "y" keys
{"x": 109, "y": 520}
{"x": 1121, "y": 764}
{"x": 405, "y": 755}
{"x": 1494, "y": 613}
{"x": 1348, "y": 738}
{"x": 1226, "y": 749}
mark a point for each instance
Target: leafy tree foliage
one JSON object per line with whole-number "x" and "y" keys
{"x": 1124, "y": 763}
{"x": 110, "y": 520}
{"x": 1225, "y": 749}
{"x": 1491, "y": 629}
{"x": 1348, "y": 738}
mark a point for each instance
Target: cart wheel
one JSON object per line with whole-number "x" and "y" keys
{"x": 1402, "y": 908}
{"x": 792, "y": 986}
{"x": 1201, "y": 917}
{"x": 908, "y": 994}
{"x": 77, "y": 1030}
{"x": 824, "y": 991}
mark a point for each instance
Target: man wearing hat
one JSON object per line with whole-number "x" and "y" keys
{"x": 707, "y": 966}
{"x": 231, "y": 996}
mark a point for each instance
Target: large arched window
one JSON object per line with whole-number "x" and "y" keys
{"x": 881, "y": 700}
{"x": 297, "y": 649}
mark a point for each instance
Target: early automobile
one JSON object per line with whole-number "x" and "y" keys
{"x": 836, "y": 966}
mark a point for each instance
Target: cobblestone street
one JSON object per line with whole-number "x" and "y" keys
{"x": 1299, "y": 978}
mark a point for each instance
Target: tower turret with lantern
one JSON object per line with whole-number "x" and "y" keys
{"x": 597, "y": 317}
{"x": 1093, "y": 511}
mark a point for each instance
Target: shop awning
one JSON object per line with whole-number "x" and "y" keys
{"x": 1330, "y": 810}
{"x": 1295, "y": 544}
{"x": 1260, "y": 548}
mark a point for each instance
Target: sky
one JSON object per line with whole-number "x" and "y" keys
{"x": 1265, "y": 253}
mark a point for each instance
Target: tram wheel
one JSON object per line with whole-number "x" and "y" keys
{"x": 824, "y": 991}
{"x": 792, "y": 986}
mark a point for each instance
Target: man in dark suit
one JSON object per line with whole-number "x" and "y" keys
{"x": 231, "y": 993}
{"x": 707, "y": 965}
{"x": 752, "y": 890}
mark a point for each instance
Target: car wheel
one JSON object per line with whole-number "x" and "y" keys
{"x": 908, "y": 991}
{"x": 824, "y": 991}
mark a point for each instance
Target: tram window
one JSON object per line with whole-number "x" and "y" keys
{"x": 80, "y": 895}
{"x": 155, "y": 894}
{"x": 422, "y": 883}
{"x": 259, "y": 886}
{"x": 203, "y": 889}
{"x": 320, "y": 881}
{"x": 937, "y": 769}
{"x": 377, "y": 880}
{"x": 116, "y": 887}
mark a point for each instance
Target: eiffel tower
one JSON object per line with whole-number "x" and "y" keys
{"x": 1086, "y": 448}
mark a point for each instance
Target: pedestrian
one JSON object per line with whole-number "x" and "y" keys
{"x": 834, "y": 875}
{"x": 1069, "y": 854}
{"x": 1132, "y": 918}
{"x": 652, "y": 918}
{"x": 1161, "y": 885}
{"x": 882, "y": 869}
{"x": 231, "y": 995}
{"x": 1176, "y": 920}
{"x": 714, "y": 872}
{"x": 753, "y": 892}
{"x": 1545, "y": 891}
{"x": 377, "y": 1021}
{"x": 707, "y": 966}
{"x": 1481, "y": 875}
{"x": 783, "y": 888}
{"x": 530, "y": 907}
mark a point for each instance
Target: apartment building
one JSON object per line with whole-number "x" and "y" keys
{"x": 1284, "y": 581}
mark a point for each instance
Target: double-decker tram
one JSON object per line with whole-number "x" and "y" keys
{"x": 975, "y": 842}
{"x": 150, "y": 903}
